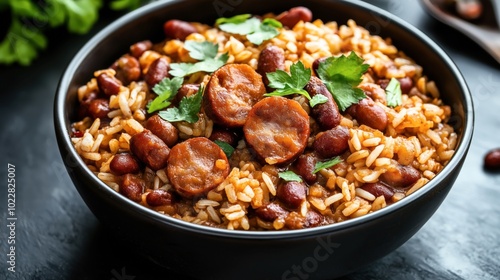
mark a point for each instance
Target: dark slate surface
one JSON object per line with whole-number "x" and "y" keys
{"x": 57, "y": 237}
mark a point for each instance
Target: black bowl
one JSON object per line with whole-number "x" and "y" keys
{"x": 210, "y": 253}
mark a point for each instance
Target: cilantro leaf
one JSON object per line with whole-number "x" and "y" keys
{"x": 187, "y": 111}
{"x": 208, "y": 65}
{"x": 235, "y": 19}
{"x": 289, "y": 176}
{"x": 21, "y": 44}
{"x": 393, "y": 92}
{"x": 80, "y": 16}
{"x": 317, "y": 99}
{"x": 326, "y": 164}
{"x": 256, "y": 31}
{"x": 201, "y": 50}
{"x": 166, "y": 90}
{"x": 290, "y": 84}
{"x": 125, "y": 4}
{"x": 341, "y": 75}
{"x": 226, "y": 148}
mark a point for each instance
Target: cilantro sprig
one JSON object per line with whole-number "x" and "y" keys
{"x": 206, "y": 54}
{"x": 341, "y": 76}
{"x": 186, "y": 111}
{"x": 166, "y": 90}
{"x": 294, "y": 83}
{"x": 326, "y": 164}
{"x": 393, "y": 93}
{"x": 30, "y": 19}
{"x": 256, "y": 31}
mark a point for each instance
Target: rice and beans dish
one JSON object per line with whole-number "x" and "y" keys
{"x": 269, "y": 122}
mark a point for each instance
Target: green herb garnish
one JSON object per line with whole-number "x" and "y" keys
{"x": 341, "y": 76}
{"x": 257, "y": 31}
{"x": 393, "y": 92}
{"x": 226, "y": 148}
{"x": 187, "y": 111}
{"x": 326, "y": 164}
{"x": 293, "y": 84}
{"x": 289, "y": 176}
{"x": 166, "y": 90}
{"x": 206, "y": 53}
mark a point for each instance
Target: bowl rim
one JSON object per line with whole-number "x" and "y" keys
{"x": 153, "y": 216}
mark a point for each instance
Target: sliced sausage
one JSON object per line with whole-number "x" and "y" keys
{"x": 271, "y": 58}
{"x": 196, "y": 166}
{"x": 369, "y": 113}
{"x": 150, "y": 149}
{"x": 230, "y": 94}
{"x": 166, "y": 131}
{"x": 277, "y": 129}
{"x": 293, "y": 16}
{"x": 327, "y": 114}
{"x": 332, "y": 142}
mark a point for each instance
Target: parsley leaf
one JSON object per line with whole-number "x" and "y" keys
{"x": 166, "y": 90}
{"x": 393, "y": 91}
{"x": 235, "y": 19}
{"x": 21, "y": 44}
{"x": 341, "y": 75}
{"x": 226, "y": 148}
{"x": 317, "y": 99}
{"x": 256, "y": 31}
{"x": 187, "y": 111}
{"x": 290, "y": 84}
{"x": 204, "y": 51}
{"x": 289, "y": 176}
{"x": 326, "y": 164}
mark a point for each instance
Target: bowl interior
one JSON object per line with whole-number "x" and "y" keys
{"x": 147, "y": 22}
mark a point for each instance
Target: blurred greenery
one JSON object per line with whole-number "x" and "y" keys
{"x": 26, "y": 21}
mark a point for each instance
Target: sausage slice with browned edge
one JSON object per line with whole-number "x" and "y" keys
{"x": 230, "y": 94}
{"x": 196, "y": 166}
{"x": 277, "y": 128}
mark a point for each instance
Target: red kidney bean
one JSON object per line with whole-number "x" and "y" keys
{"x": 332, "y": 142}
{"x": 293, "y": 16}
{"x": 150, "y": 149}
{"x": 159, "y": 197}
{"x": 224, "y": 135}
{"x": 492, "y": 160}
{"x": 271, "y": 58}
{"x": 378, "y": 189}
{"x": 125, "y": 163}
{"x": 316, "y": 64}
{"x": 368, "y": 113}
{"x": 157, "y": 71}
{"x": 137, "y": 49}
{"x": 292, "y": 194}
{"x": 327, "y": 114}
{"x": 313, "y": 219}
{"x": 108, "y": 85}
{"x": 132, "y": 187}
{"x": 270, "y": 212}
{"x": 166, "y": 131}
{"x": 186, "y": 90}
{"x": 83, "y": 109}
{"x": 98, "y": 108}
{"x": 127, "y": 69}
{"x": 401, "y": 176}
{"x": 304, "y": 166}
{"x": 178, "y": 29}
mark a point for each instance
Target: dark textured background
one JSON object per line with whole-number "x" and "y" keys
{"x": 57, "y": 237}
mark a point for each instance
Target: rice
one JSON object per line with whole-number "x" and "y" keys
{"x": 417, "y": 134}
